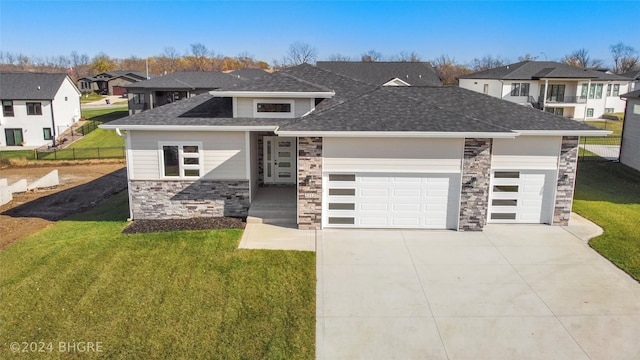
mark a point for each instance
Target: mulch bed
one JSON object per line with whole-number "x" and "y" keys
{"x": 149, "y": 226}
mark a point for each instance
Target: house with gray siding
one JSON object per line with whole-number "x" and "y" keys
{"x": 357, "y": 154}
{"x": 630, "y": 145}
{"x": 111, "y": 82}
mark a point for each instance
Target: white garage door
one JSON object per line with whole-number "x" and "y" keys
{"x": 521, "y": 196}
{"x": 388, "y": 200}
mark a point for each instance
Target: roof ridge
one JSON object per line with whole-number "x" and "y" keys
{"x": 306, "y": 81}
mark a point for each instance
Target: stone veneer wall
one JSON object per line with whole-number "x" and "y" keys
{"x": 309, "y": 183}
{"x": 476, "y": 175}
{"x": 567, "y": 167}
{"x": 173, "y": 199}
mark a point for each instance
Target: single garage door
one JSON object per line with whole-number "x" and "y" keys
{"x": 364, "y": 200}
{"x": 522, "y": 196}
{"x": 119, "y": 90}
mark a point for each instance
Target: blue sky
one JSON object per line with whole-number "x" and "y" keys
{"x": 461, "y": 29}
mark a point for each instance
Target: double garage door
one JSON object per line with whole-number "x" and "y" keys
{"x": 390, "y": 200}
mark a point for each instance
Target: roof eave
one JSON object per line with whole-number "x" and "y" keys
{"x": 190, "y": 127}
{"x": 274, "y": 94}
{"x": 399, "y": 134}
{"x": 601, "y": 133}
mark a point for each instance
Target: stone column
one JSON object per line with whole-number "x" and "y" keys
{"x": 309, "y": 183}
{"x": 476, "y": 173}
{"x": 567, "y": 166}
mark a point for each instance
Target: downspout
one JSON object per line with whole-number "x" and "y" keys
{"x": 53, "y": 124}
{"x": 127, "y": 159}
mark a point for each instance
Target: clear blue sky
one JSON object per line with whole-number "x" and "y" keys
{"x": 461, "y": 29}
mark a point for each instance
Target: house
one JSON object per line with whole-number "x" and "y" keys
{"x": 553, "y": 87}
{"x": 634, "y": 78}
{"x": 111, "y": 82}
{"x": 36, "y": 107}
{"x": 162, "y": 90}
{"x": 357, "y": 155}
{"x": 630, "y": 145}
{"x": 390, "y": 73}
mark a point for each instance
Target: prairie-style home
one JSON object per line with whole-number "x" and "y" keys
{"x": 355, "y": 154}
{"x": 554, "y": 87}
{"x": 36, "y": 107}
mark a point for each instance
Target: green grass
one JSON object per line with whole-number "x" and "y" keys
{"x": 608, "y": 194}
{"x": 17, "y": 154}
{"x": 613, "y": 125}
{"x": 98, "y": 137}
{"x": 90, "y": 97}
{"x": 188, "y": 295}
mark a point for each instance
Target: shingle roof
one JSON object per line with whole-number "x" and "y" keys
{"x": 29, "y": 86}
{"x": 188, "y": 80}
{"x": 633, "y": 75}
{"x": 200, "y": 110}
{"x": 534, "y": 70}
{"x": 278, "y": 82}
{"x": 249, "y": 74}
{"x": 379, "y": 73}
{"x": 633, "y": 94}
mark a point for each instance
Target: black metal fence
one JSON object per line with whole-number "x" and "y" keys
{"x": 118, "y": 152}
{"x": 599, "y": 148}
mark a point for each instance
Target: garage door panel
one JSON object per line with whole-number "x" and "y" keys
{"x": 406, "y": 193}
{"x": 382, "y": 206}
{"x": 522, "y": 196}
{"x": 405, "y": 222}
{"x": 406, "y": 207}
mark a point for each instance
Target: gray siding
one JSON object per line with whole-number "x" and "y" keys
{"x": 630, "y": 150}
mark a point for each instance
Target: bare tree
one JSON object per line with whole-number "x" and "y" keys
{"x": 580, "y": 58}
{"x": 200, "y": 56}
{"x": 527, "y": 57}
{"x": 407, "y": 57}
{"x": 625, "y": 58}
{"x": 371, "y": 56}
{"x": 448, "y": 70}
{"x": 301, "y": 53}
{"x": 339, "y": 57}
{"x": 488, "y": 62}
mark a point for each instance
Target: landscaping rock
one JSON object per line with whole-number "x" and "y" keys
{"x": 202, "y": 223}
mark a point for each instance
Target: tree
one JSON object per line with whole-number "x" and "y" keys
{"x": 200, "y": 57}
{"x": 102, "y": 63}
{"x": 301, "y": 53}
{"x": 407, "y": 57}
{"x": 338, "y": 57}
{"x": 625, "y": 58}
{"x": 371, "y": 56}
{"x": 580, "y": 58}
{"x": 448, "y": 70}
{"x": 488, "y": 62}
{"x": 527, "y": 57}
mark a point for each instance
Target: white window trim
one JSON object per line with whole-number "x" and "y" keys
{"x": 288, "y": 115}
{"x": 181, "y": 157}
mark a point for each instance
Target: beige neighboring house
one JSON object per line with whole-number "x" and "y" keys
{"x": 630, "y": 146}
{"x": 558, "y": 88}
{"x": 36, "y": 107}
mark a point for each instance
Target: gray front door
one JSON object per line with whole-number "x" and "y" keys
{"x": 279, "y": 160}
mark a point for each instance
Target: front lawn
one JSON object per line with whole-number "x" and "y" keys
{"x": 608, "y": 194}
{"x": 612, "y": 125}
{"x": 188, "y": 295}
{"x": 98, "y": 137}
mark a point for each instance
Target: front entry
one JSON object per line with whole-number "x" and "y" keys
{"x": 279, "y": 158}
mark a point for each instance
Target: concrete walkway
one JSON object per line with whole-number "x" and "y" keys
{"x": 509, "y": 292}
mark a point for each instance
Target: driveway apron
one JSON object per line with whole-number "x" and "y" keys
{"x": 509, "y": 292}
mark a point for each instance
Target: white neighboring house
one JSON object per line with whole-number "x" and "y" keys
{"x": 630, "y": 146}
{"x": 634, "y": 78}
{"x": 554, "y": 87}
{"x": 36, "y": 107}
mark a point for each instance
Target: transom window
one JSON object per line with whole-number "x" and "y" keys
{"x": 273, "y": 108}
{"x": 7, "y": 107}
{"x": 34, "y": 108}
{"x": 520, "y": 89}
{"x": 181, "y": 160}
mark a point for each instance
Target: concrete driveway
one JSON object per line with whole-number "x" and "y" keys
{"x": 510, "y": 292}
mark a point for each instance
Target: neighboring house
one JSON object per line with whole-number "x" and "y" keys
{"x": 36, "y": 107}
{"x": 111, "y": 82}
{"x": 553, "y": 87}
{"x": 385, "y": 73}
{"x": 358, "y": 155}
{"x": 162, "y": 90}
{"x": 630, "y": 146}
{"x": 634, "y": 78}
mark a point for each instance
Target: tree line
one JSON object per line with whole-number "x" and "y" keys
{"x": 199, "y": 58}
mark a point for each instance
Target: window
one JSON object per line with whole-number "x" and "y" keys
{"x": 47, "y": 133}
{"x": 181, "y": 160}
{"x": 556, "y": 93}
{"x": 7, "y": 107}
{"x": 608, "y": 110}
{"x": 608, "y": 89}
{"x": 34, "y": 108}
{"x": 616, "y": 89}
{"x": 590, "y": 112}
{"x": 636, "y": 109}
{"x": 138, "y": 98}
{"x": 595, "y": 92}
{"x": 585, "y": 90}
{"x": 273, "y": 108}
{"x": 485, "y": 89}
{"x": 520, "y": 89}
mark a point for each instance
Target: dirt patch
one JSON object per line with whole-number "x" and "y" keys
{"x": 148, "y": 226}
{"x": 82, "y": 186}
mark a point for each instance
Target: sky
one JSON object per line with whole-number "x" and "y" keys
{"x": 463, "y": 30}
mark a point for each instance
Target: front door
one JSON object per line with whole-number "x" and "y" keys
{"x": 13, "y": 137}
{"x": 279, "y": 158}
